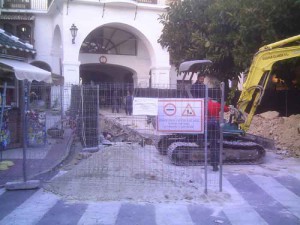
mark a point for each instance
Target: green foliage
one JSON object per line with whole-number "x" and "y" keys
{"x": 228, "y": 32}
{"x": 182, "y": 31}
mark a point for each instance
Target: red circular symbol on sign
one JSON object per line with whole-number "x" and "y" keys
{"x": 102, "y": 59}
{"x": 170, "y": 109}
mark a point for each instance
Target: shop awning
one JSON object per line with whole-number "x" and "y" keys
{"x": 24, "y": 71}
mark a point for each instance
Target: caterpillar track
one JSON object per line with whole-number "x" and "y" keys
{"x": 192, "y": 154}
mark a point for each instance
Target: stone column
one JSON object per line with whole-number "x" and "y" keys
{"x": 71, "y": 75}
{"x": 71, "y": 72}
{"x": 142, "y": 81}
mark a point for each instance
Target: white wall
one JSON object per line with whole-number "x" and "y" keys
{"x": 47, "y": 32}
{"x": 143, "y": 23}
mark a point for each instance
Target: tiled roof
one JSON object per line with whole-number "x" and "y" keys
{"x": 9, "y": 41}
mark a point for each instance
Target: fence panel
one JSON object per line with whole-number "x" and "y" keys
{"x": 130, "y": 159}
{"x": 31, "y": 147}
{"x": 130, "y": 143}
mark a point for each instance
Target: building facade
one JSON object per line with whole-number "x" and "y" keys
{"x": 116, "y": 40}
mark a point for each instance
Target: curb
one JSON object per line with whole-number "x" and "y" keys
{"x": 67, "y": 152}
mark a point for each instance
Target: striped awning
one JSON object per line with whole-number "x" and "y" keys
{"x": 8, "y": 41}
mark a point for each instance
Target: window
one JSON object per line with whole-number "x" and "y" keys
{"x": 8, "y": 28}
{"x": 11, "y": 98}
{"x": 109, "y": 40}
{"x": 24, "y": 32}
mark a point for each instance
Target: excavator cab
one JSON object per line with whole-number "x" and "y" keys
{"x": 238, "y": 149}
{"x": 189, "y": 68}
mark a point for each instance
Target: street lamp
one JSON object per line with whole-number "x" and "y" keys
{"x": 73, "y": 30}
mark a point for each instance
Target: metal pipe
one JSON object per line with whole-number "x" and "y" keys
{"x": 61, "y": 89}
{"x": 98, "y": 112}
{"x": 205, "y": 138}
{"x": 24, "y": 122}
{"x": 221, "y": 122}
{"x": 3, "y": 103}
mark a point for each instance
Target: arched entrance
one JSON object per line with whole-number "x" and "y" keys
{"x": 114, "y": 54}
{"x": 93, "y": 73}
{"x": 113, "y": 81}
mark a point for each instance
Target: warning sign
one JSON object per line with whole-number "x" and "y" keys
{"x": 188, "y": 111}
{"x": 180, "y": 115}
{"x": 170, "y": 109}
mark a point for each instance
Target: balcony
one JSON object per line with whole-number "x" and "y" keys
{"x": 43, "y": 5}
{"x": 34, "y": 5}
{"x": 147, "y": 1}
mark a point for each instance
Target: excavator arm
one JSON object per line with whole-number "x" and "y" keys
{"x": 258, "y": 76}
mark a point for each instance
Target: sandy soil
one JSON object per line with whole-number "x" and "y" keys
{"x": 285, "y": 131}
{"x": 130, "y": 172}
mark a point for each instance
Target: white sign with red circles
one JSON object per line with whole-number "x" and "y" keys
{"x": 170, "y": 109}
{"x": 180, "y": 115}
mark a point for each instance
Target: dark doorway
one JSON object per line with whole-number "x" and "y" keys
{"x": 105, "y": 73}
{"x": 112, "y": 81}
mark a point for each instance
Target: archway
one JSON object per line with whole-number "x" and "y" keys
{"x": 111, "y": 80}
{"x": 95, "y": 73}
{"x": 115, "y": 53}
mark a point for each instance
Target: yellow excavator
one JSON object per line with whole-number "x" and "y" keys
{"x": 260, "y": 72}
{"x": 238, "y": 148}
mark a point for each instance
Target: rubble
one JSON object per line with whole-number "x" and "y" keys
{"x": 114, "y": 131}
{"x": 283, "y": 130}
{"x": 127, "y": 171}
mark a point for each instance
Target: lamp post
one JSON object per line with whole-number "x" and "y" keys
{"x": 73, "y": 30}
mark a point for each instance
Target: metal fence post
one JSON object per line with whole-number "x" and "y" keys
{"x": 24, "y": 121}
{"x": 205, "y": 138}
{"x": 98, "y": 111}
{"x": 62, "y": 111}
{"x": 221, "y": 135}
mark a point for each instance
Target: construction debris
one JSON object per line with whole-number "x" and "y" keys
{"x": 114, "y": 131}
{"x": 283, "y": 130}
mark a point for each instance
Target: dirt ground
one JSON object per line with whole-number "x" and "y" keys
{"x": 131, "y": 172}
{"x": 285, "y": 131}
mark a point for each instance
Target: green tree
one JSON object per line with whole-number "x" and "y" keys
{"x": 180, "y": 28}
{"x": 228, "y": 32}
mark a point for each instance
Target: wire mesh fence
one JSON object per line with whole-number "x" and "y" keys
{"x": 133, "y": 143}
{"x": 41, "y": 134}
{"x": 135, "y": 151}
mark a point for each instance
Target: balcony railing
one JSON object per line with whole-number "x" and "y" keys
{"x": 147, "y": 1}
{"x": 42, "y": 5}
{"x": 26, "y": 4}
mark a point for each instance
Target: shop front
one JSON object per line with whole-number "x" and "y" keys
{"x": 15, "y": 79}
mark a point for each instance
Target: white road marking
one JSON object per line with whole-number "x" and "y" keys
{"x": 32, "y": 210}
{"x": 2, "y": 190}
{"x": 100, "y": 213}
{"x": 169, "y": 214}
{"x": 280, "y": 193}
{"x": 238, "y": 211}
